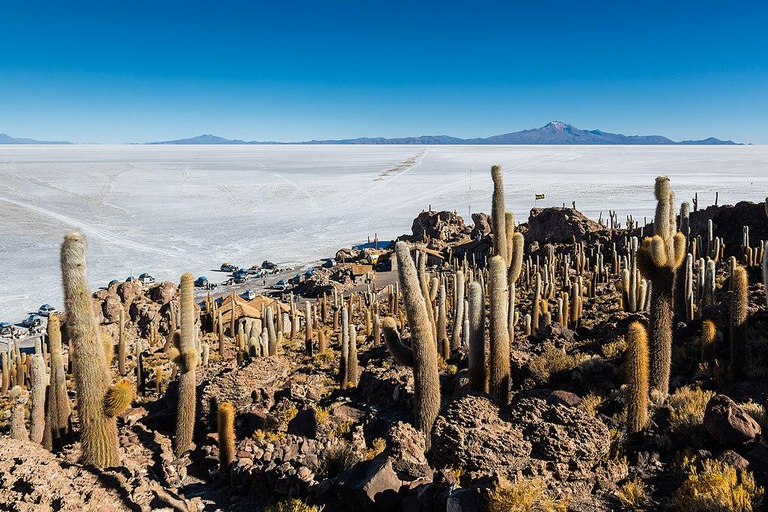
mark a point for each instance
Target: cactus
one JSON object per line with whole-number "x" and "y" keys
{"x": 442, "y": 323}
{"x": 6, "y": 378}
{"x": 536, "y": 305}
{"x": 458, "y": 317}
{"x": 499, "y": 372}
{"x": 185, "y": 411}
{"x": 39, "y": 386}
{"x": 92, "y": 377}
{"x": 376, "y": 330}
{"x": 402, "y": 354}
{"x": 637, "y": 377}
{"x": 139, "y": 356}
{"x": 226, "y": 427}
{"x": 220, "y": 327}
{"x": 425, "y": 375}
{"x": 478, "y": 372}
{"x": 121, "y": 344}
{"x": 739, "y": 299}
{"x": 206, "y": 354}
{"x": 271, "y": 333}
{"x": 707, "y": 342}
{"x": 498, "y": 214}
{"x": 343, "y": 370}
{"x": 18, "y": 425}
{"x": 658, "y": 259}
{"x": 308, "y": 334}
{"x": 765, "y": 260}
{"x": 352, "y": 358}
{"x": 119, "y": 398}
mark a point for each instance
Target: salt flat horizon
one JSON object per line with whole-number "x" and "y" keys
{"x": 170, "y": 209}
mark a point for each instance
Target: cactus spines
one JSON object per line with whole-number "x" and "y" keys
{"x": 308, "y": 334}
{"x": 499, "y": 376}
{"x": 442, "y": 323}
{"x": 92, "y": 380}
{"x": 658, "y": 259}
{"x": 121, "y": 344}
{"x": 458, "y": 318}
{"x": 637, "y": 377}
{"x": 707, "y": 342}
{"x": 185, "y": 411}
{"x": 119, "y": 398}
{"x": 402, "y": 354}
{"x": 226, "y": 427}
{"x": 739, "y": 306}
{"x": 478, "y": 372}
{"x": 376, "y": 330}
{"x": 343, "y": 370}
{"x": 498, "y": 213}
{"x": 18, "y": 425}
{"x": 425, "y": 374}
{"x": 352, "y": 358}
{"x": 39, "y": 386}
{"x": 6, "y": 373}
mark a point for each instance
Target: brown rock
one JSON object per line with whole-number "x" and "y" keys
{"x": 482, "y": 226}
{"x": 444, "y": 227}
{"x": 559, "y": 225}
{"x": 163, "y": 293}
{"x": 110, "y": 308}
{"x": 728, "y": 423}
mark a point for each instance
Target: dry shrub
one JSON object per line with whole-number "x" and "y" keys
{"x": 525, "y": 495}
{"x": 687, "y": 406}
{"x": 717, "y": 487}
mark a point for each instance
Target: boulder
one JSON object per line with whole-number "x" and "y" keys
{"x": 444, "y": 227}
{"x": 111, "y": 307}
{"x": 163, "y": 293}
{"x": 370, "y": 485}
{"x": 482, "y": 227}
{"x": 536, "y": 434}
{"x": 728, "y": 423}
{"x": 560, "y": 225}
{"x": 728, "y": 223}
{"x": 406, "y": 448}
{"x": 128, "y": 291}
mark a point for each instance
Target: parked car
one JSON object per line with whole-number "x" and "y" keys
{"x": 280, "y": 285}
{"x": 46, "y": 310}
{"x": 239, "y": 278}
{"x": 6, "y": 329}
{"x": 249, "y": 294}
{"x": 226, "y": 267}
{"x": 268, "y": 265}
{"x": 240, "y": 273}
{"x": 146, "y": 279}
{"x": 32, "y": 321}
{"x": 201, "y": 282}
{"x": 130, "y": 279}
{"x": 114, "y": 281}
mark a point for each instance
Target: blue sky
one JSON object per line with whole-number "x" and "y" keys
{"x": 139, "y": 71}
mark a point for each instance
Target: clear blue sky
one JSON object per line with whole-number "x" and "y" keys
{"x": 114, "y": 72}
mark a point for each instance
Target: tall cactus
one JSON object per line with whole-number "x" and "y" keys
{"x": 185, "y": 412}
{"x": 425, "y": 373}
{"x": 658, "y": 259}
{"x": 92, "y": 377}
{"x": 499, "y": 374}
{"x": 458, "y": 317}
{"x": 478, "y": 372}
{"x": 400, "y": 353}
{"x": 498, "y": 213}
{"x": 226, "y": 428}
{"x": 739, "y": 305}
{"x": 39, "y": 386}
{"x": 121, "y": 343}
{"x": 352, "y": 358}
{"x": 637, "y": 377}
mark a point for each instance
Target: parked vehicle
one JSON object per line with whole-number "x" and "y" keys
{"x": 249, "y": 294}
{"x": 6, "y": 329}
{"x": 226, "y": 267}
{"x": 280, "y": 285}
{"x": 32, "y": 321}
{"x": 239, "y": 278}
{"x": 268, "y": 265}
{"x": 240, "y": 273}
{"x": 114, "y": 281}
{"x": 146, "y": 279}
{"x": 46, "y": 310}
{"x": 130, "y": 279}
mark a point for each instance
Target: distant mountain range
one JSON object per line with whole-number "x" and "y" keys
{"x": 7, "y": 139}
{"x": 555, "y": 132}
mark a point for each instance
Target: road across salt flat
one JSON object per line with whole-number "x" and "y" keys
{"x": 170, "y": 209}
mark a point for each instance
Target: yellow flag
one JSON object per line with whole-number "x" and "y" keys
{"x": 539, "y": 196}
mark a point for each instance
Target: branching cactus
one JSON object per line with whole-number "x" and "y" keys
{"x": 92, "y": 377}
{"x": 499, "y": 374}
{"x": 658, "y": 259}
{"x": 402, "y": 354}
{"x": 185, "y": 411}
{"x": 425, "y": 374}
{"x": 637, "y": 377}
{"x": 739, "y": 305}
